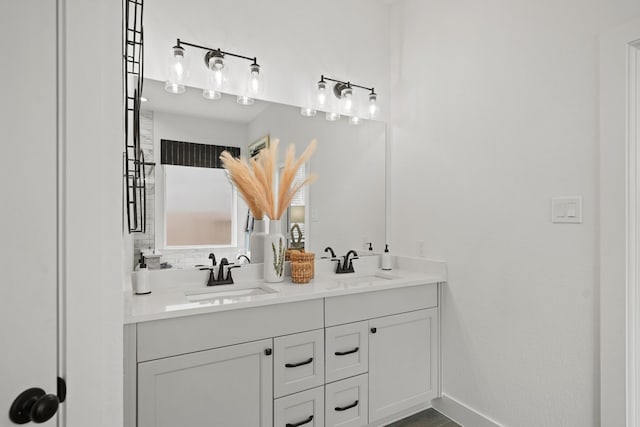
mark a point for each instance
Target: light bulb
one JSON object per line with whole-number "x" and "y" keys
{"x": 254, "y": 82}
{"x": 321, "y": 94}
{"x": 308, "y": 112}
{"x": 211, "y": 94}
{"x": 244, "y": 100}
{"x": 374, "y": 110}
{"x": 177, "y": 71}
{"x": 346, "y": 100}
{"x": 354, "y": 120}
{"x": 332, "y": 116}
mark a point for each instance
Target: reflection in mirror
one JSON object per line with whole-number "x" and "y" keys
{"x": 344, "y": 208}
{"x": 198, "y": 214}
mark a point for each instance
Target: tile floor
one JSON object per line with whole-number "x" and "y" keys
{"x": 428, "y": 418}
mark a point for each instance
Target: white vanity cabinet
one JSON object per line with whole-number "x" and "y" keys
{"x": 403, "y": 361}
{"x": 362, "y": 359}
{"x": 229, "y": 386}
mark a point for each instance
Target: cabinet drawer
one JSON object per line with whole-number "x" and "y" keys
{"x": 347, "y": 350}
{"x": 301, "y": 409}
{"x": 357, "y": 307}
{"x": 180, "y": 335}
{"x": 298, "y": 362}
{"x": 346, "y": 402}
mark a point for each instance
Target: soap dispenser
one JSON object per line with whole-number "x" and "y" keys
{"x": 386, "y": 259}
{"x": 141, "y": 285}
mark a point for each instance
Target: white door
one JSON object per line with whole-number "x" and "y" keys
{"x": 620, "y": 225}
{"x": 403, "y": 361}
{"x": 28, "y": 220}
{"x": 228, "y": 386}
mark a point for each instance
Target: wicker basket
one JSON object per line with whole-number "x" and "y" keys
{"x": 302, "y": 256}
{"x": 287, "y": 254}
{"x": 301, "y": 271}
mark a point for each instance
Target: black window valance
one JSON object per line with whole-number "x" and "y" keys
{"x": 192, "y": 154}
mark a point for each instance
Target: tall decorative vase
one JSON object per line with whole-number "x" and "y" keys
{"x": 275, "y": 246}
{"x": 256, "y": 241}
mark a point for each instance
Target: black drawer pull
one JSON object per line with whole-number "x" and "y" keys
{"x": 374, "y": 330}
{"x": 295, "y": 365}
{"x": 301, "y": 423}
{"x": 344, "y": 353}
{"x": 344, "y": 408}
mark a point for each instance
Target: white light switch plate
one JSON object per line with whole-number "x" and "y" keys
{"x": 567, "y": 210}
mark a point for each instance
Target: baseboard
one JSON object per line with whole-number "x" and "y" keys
{"x": 461, "y": 413}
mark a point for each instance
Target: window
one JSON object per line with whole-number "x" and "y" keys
{"x": 200, "y": 207}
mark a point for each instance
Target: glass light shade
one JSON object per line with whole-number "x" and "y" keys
{"x": 332, "y": 116}
{"x": 254, "y": 81}
{"x": 244, "y": 100}
{"x": 211, "y": 94}
{"x": 346, "y": 101}
{"x": 307, "y": 112}
{"x": 354, "y": 120}
{"x": 321, "y": 94}
{"x": 374, "y": 109}
{"x": 177, "y": 71}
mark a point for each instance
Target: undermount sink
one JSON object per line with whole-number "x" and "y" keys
{"x": 227, "y": 294}
{"x": 368, "y": 279}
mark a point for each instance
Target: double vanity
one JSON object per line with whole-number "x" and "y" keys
{"x": 352, "y": 349}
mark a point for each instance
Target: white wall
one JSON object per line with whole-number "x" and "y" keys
{"x": 495, "y": 110}
{"x": 347, "y": 202}
{"x": 295, "y": 41}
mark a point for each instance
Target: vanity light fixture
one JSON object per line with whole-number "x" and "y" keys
{"x": 345, "y": 93}
{"x": 307, "y": 112}
{"x": 214, "y": 60}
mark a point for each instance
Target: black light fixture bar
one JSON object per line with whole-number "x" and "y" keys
{"x": 181, "y": 42}
{"x": 346, "y": 84}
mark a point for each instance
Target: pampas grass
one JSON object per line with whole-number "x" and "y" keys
{"x": 245, "y": 181}
{"x": 254, "y": 179}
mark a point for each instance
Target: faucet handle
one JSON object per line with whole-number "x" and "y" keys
{"x": 229, "y": 278}
{"x": 212, "y": 257}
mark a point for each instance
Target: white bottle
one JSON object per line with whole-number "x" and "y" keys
{"x": 141, "y": 285}
{"x": 386, "y": 259}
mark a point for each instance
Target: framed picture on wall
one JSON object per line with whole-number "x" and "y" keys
{"x": 256, "y": 146}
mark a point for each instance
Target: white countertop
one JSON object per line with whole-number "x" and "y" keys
{"x": 168, "y": 301}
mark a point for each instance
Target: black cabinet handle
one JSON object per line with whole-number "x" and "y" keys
{"x": 301, "y": 423}
{"x": 295, "y": 365}
{"x": 374, "y": 330}
{"x": 268, "y": 352}
{"x": 344, "y": 353}
{"x": 344, "y": 408}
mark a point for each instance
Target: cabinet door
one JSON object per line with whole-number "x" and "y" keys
{"x": 301, "y": 409}
{"x": 347, "y": 402}
{"x": 347, "y": 352}
{"x": 229, "y": 386}
{"x": 298, "y": 362}
{"x": 403, "y": 362}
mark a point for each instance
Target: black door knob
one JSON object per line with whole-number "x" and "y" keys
{"x": 33, "y": 405}
{"x": 374, "y": 330}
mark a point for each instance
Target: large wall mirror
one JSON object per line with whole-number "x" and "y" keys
{"x": 195, "y": 206}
